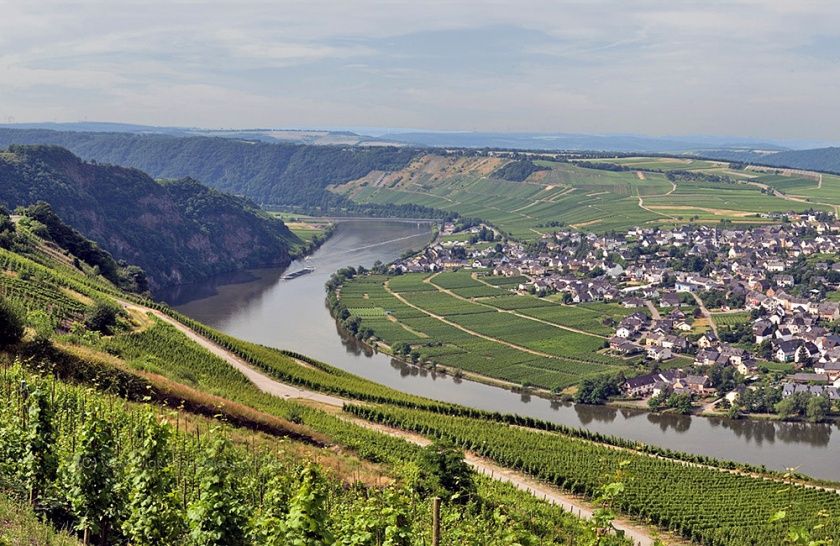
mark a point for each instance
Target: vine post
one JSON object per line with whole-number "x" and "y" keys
{"x": 436, "y": 521}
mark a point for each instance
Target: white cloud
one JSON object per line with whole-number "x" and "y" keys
{"x": 749, "y": 67}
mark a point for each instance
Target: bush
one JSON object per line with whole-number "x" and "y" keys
{"x": 102, "y": 317}
{"x": 11, "y": 324}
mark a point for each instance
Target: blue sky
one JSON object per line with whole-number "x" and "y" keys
{"x": 743, "y": 67}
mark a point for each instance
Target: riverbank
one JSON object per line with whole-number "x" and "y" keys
{"x": 260, "y": 307}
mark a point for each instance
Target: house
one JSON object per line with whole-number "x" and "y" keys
{"x": 670, "y": 299}
{"x": 624, "y": 331}
{"x": 786, "y": 350}
{"x": 784, "y": 281}
{"x": 707, "y": 340}
{"x": 699, "y": 384}
{"x": 659, "y": 353}
{"x": 643, "y": 385}
{"x": 623, "y": 346}
{"x": 762, "y": 330}
{"x": 830, "y": 369}
{"x": 706, "y": 357}
{"x": 813, "y": 378}
{"x": 632, "y": 303}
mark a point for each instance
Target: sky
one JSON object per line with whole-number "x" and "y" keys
{"x": 767, "y": 69}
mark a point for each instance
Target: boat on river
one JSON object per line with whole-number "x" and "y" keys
{"x": 298, "y": 273}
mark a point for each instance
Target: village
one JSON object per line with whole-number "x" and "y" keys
{"x": 735, "y": 319}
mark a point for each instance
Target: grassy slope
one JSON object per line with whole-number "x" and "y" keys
{"x": 590, "y": 199}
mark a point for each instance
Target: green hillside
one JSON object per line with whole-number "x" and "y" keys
{"x": 176, "y": 231}
{"x": 597, "y": 195}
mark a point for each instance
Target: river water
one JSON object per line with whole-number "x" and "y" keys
{"x": 260, "y": 306}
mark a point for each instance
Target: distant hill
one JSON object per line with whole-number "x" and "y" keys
{"x": 176, "y": 231}
{"x": 818, "y": 159}
{"x": 578, "y": 142}
{"x": 278, "y": 174}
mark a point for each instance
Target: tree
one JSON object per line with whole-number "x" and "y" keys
{"x": 102, "y": 317}
{"x": 11, "y": 323}
{"x": 93, "y": 479}
{"x": 817, "y": 408}
{"x": 444, "y": 472}
{"x": 217, "y": 517}
{"x": 153, "y": 517}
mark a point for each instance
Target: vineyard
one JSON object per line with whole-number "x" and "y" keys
{"x": 119, "y": 473}
{"x": 478, "y": 325}
{"x": 709, "y": 506}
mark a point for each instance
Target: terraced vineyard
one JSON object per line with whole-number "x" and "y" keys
{"x": 479, "y": 325}
{"x": 706, "y": 505}
{"x": 596, "y": 199}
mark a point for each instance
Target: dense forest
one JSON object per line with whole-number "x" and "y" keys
{"x": 176, "y": 231}
{"x": 278, "y": 175}
{"x": 518, "y": 171}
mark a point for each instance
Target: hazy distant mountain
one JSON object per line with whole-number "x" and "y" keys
{"x": 818, "y": 159}
{"x": 563, "y": 141}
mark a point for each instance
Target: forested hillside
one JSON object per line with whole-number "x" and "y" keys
{"x": 818, "y": 159}
{"x": 177, "y": 231}
{"x": 283, "y": 175}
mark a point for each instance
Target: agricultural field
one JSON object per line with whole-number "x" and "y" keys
{"x": 704, "y": 504}
{"x": 596, "y": 199}
{"x": 460, "y": 320}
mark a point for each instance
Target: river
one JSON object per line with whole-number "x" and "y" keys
{"x": 258, "y": 305}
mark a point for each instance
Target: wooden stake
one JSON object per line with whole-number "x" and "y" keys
{"x": 436, "y": 521}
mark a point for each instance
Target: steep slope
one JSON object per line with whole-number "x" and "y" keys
{"x": 177, "y": 231}
{"x": 288, "y": 175}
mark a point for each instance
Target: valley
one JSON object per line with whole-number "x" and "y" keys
{"x": 263, "y": 353}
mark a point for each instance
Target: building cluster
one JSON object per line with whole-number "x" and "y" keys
{"x": 779, "y": 273}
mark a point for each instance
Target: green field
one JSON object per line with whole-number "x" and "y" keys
{"x": 457, "y": 321}
{"x": 600, "y": 200}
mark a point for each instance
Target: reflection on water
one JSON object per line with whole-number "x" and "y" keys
{"x": 262, "y": 307}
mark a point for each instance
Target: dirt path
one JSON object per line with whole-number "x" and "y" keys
{"x": 786, "y": 197}
{"x": 508, "y": 311}
{"x": 481, "y": 465}
{"x": 486, "y": 467}
{"x": 261, "y": 381}
{"x": 706, "y": 314}
{"x": 467, "y": 330}
{"x": 654, "y": 312}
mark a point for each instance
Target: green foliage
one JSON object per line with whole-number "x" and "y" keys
{"x": 217, "y": 517}
{"x": 102, "y": 317}
{"x": 92, "y": 479}
{"x": 40, "y": 463}
{"x": 278, "y": 174}
{"x": 42, "y": 323}
{"x": 175, "y": 231}
{"x": 11, "y": 323}
{"x": 305, "y": 524}
{"x": 443, "y": 472}
{"x": 153, "y": 516}
{"x": 705, "y": 504}
{"x": 518, "y": 171}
